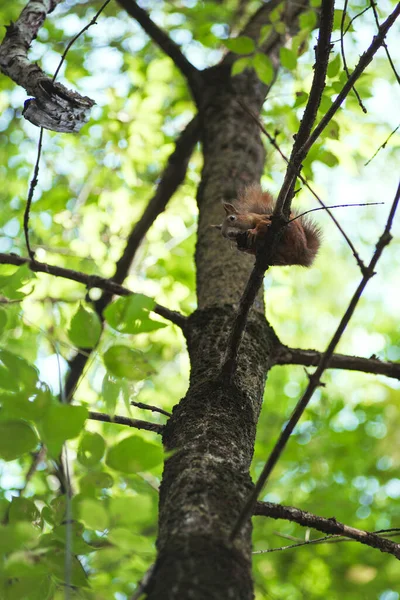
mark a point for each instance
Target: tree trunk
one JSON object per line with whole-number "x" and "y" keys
{"x": 212, "y": 430}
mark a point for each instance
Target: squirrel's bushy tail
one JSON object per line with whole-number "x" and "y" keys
{"x": 313, "y": 237}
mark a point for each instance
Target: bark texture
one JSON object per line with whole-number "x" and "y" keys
{"x": 212, "y": 430}
{"x": 53, "y": 106}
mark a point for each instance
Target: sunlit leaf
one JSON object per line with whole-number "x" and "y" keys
{"x": 85, "y": 328}
{"x": 240, "y": 45}
{"x": 16, "y": 438}
{"x": 134, "y": 454}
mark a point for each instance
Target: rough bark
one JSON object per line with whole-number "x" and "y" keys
{"x": 212, "y": 430}
{"x": 53, "y": 105}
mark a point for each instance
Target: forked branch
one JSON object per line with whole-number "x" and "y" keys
{"x": 315, "y": 378}
{"x": 329, "y": 526}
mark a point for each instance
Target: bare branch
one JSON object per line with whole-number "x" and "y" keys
{"x": 342, "y": 34}
{"x": 32, "y": 187}
{"x": 315, "y": 378}
{"x": 90, "y": 281}
{"x": 282, "y": 207}
{"x": 297, "y": 156}
{"x": 311, "y": 358}
{"x": 172, "y": 177}
{"x": 53, "y": 106}
{"x": 136, "y": 423}
{"x": 382, "y": 146}
{"x": 363, "y": 63}
{"x": 373, "y": 6}
{"x": 171, "y": 49}
{"x": 330, "y": 526}
{"x": 150, "y": 407}
{"x": 304, "y": 181}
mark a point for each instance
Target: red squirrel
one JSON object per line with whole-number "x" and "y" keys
{"x": 248, "y": 219}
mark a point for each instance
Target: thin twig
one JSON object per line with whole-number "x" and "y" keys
{"x": 333, "y": 206}
{"x": 310, "y": 358}
{"x": 167, "y": 45}
{"x": 32, "y": 186}
{"x": 37, "y": 459}
{"x": 373, "y": 6}
{"x": 150, "y": 407}
{"x": 329, "y": 526}
{"x": 90, "y": 281}
{"x": 315, "y": 378}
{"x": 78, "y": 35}
{"x": 136, "y": 423}
{"x": 305, "y": 543}
{"x": 298, "y": 154}
{"x": 363, "y": 63}
{"x": 382, "y": 146}
{"x": 282, "y": 207}
{"x": 304, "y": 181}
{"x": 344, "y": 13}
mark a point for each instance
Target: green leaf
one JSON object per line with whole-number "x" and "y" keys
{"x": 85, "y": 328}
{"x": 3, "y": 319}
{"x": 308, "y": 20}
{"x": 126, "y": 510}
{"x": 264, "y": 34}
{"x": 334, "y": 66}
{"x": 263, "y": 67}
{"x": 240, "y": 45}
{"x": 16, "y": 438}
{"x": 134, "y": 454}
{"x": 301, "y": 98}
{"x": 328, "y": 158}
{"x": 91, "y": 449}
{"x": 280, "y": 27}
{"x": 10, "y": 284}
{"x": 240, "y": 65}
{"x": 111, "y": 390}
{"x": 130, "y": 314}
{"x": 62, "y": 422}
{"x": 332, "y": 130}
{"x": 93, "y": 482}
{"x": 93, "y": 514}
{"x": 17, "y": 536}
{"x": 22, "y": 509}
{"x": 288, "y": 58}
{"x": 122, "y": 361}
{"x": 17, "y": 373}
{"x": 56, "y": 563}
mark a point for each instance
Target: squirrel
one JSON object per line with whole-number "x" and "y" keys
{"x": 248, "y": 219}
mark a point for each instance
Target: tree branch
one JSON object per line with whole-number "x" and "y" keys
{"x": 136, "y": 423}
{"x": 311, "y": 358}
{"x": 193, "y": 76}
{"x": 53, "y": 106}
{"x": 90, "y": 281}
{"x": 363, "y": 63}
{"x": 315, "y": 378}
{"x": 282, "y": 207}
{"x": 329, "y": 526}
{"x": 297, "y": 156}
{"x": 173, "y": 175}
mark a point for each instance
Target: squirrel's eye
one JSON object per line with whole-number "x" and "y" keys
{"x": 231, "y": 218}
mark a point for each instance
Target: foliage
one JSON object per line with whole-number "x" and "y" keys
{"x": 92, "y": 188}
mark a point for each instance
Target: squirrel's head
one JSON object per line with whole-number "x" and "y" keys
{"x": 231, "y": 225}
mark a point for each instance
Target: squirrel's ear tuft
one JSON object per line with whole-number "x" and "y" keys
{"x": 230, "y": 208}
